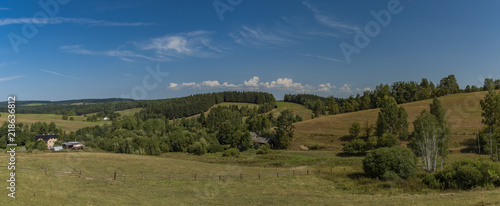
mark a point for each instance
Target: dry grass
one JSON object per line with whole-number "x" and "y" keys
{"x": 97, "y": 187}
{"x": 463, "y": 110}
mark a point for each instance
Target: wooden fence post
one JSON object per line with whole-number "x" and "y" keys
{"x": 142, "y": 175}
{"x": 293, "y": 173}
{"x": 194, "y": 177}
{"x": 307, "y": 172}
{"x": 319, "y": 171}
{"x": 259, "y": 176}
{"x": 277, "y": 175}
{"x": 114, "y": 176}
{"x": 219, "y": 177}
{"x": 80, "y": 174}
{"x": 45, "y": 170}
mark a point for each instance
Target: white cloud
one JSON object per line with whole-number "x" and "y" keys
{"x": 253, "y": 82}
{"x": 3, "y": 8}
{"x": 62, "y": 20}
{"x": 345, "y": 88}
{"x": 364, "y": 89}
{"x": 59, "y": 74}
{"x": 195, "y": 44}
{"x": 2, "y": 79}
{"x": 325, "y": 87}
{"x": 328, "y": 21}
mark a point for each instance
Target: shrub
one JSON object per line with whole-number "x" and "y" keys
{"x": 387, "y": 140}
{"x": 357, "y": 146}
{"x": 399, "y": 160}
{"x": 214, "y": 148}
{"x": 316, "y": 147}
{"x": 197, "y": 148}
{"x": 465, "y": 175}
{"x": 265, "y": 149}
{"x": 390, "y": 176}
{"x": 355, "y": 129}
{"x": 372, "y": 142}
{"x": 232, "y": 152}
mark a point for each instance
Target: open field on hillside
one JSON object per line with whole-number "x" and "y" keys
{"x": 301, "y": 110}
{"x": 66, "y": 125}
{"x": 463, "y": 110}
{"x": 334, "y": 186}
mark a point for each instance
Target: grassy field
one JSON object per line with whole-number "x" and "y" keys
{"x": 334, "y": 186}
{"x": 340, "y": 181}
{"x": 66, "y": 125}
{"x": 463, "y": 114}
{"x": 301, "y": 110}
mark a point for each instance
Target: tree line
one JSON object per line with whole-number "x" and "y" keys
{"x": 196, "y": 104}
{"x": 402, "y": 92}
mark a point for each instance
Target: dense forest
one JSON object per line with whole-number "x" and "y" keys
{"x": 195, "y": 104}
{"x": 402, "y": 92}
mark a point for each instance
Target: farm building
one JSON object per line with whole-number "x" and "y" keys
{"x": 258, "y": 139}
{"x": 50, "y": 139}
{"x": 72, "y": 145}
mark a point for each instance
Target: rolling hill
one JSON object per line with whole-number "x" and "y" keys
{"x": 463, "y": 113}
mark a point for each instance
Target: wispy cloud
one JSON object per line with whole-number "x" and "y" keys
{"x": 191, "y": 44}
{"x": 258, "y": 37}
{"x": 124, "y": 55}
{"x": 328, "y": 21}
{"x": 2, "y": 79}
{"x": 254, "y": 83}
{"x": 59, "y": 74}
{"x": 3, "y": 8}
{"x": 62, "y": 20}
{"x": 324, "y": 58}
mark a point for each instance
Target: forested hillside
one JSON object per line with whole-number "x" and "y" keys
{"x": 403, "y": 92}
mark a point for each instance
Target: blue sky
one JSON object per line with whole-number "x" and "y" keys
{"x": 72, "y": 49}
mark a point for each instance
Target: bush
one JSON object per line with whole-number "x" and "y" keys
{"x": 197, "y": 148}
{"x": 41, "y": 145}
{"x": 232, "y": 152}
{"x": 390, "y": 176}
{"x": 466, "y": 175}
{"x": 316, "y": 147}
{"x": 265, "y": 149}
{"x": 355, "y": 129}
{"x": 214, "y": 148}
{"x": 372, "y": 142}
{"x": 357, "y": 146}
{"x": 399, "y": 160}
{"x": 387, "y": 140}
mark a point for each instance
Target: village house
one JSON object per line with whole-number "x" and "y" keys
{"x": 258, "y": 139}
{"x": 72, "y": 145}
{"x": 50, "y": 139}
